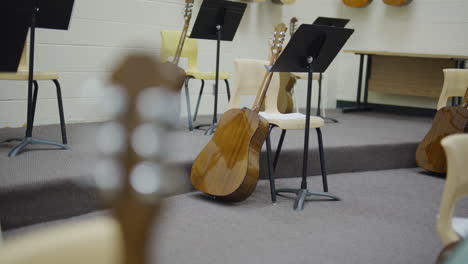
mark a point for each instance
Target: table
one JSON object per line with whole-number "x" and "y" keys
{"x": 415, "y": 74}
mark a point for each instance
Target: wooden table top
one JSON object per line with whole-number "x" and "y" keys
{"x": 403, "y": 54}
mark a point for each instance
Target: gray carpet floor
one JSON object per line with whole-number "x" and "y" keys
{"x": 43, "y": 184}
{"x": 370, "y": 132}
{"x": 384, "y": 217}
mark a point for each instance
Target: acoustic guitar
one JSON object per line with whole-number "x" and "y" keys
{"x": 228, "y": 166}
{"x": 286, "y": 105}
{"x": 397, "y": 2}
{"x": 135, "y": 177}
{"x": 448, "y": 120}
{"x": 357, "y": 3}
{"x": 180, "y": 79}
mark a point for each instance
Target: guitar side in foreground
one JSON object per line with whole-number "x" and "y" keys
{"x": 448, "y": 120}
{"x": 228, "y": 166}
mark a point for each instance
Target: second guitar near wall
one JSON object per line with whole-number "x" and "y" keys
{"x": 363, "y": 3}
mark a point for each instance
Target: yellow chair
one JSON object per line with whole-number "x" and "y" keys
{"x": 449, "y": 228}
{"x": 170, "y": 39}
{"x": 22, "y": 74}
{"x": 97, "y": 240}
{"x": 249, "y": 77}
{"x": 455, "y": 85}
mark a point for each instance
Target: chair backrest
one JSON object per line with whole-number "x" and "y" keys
{"x": 456, "y": 185}
{"x": 169, "y": 42}
{"x": 95, "y": 240}
{"x": 23, "y": 65}
{"x": 249, "y": 76}
{"x": 455, "y": 84}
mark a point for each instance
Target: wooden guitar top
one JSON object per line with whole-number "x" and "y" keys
{"x": 357, "y": 3}
{"x": 448, "y": 120}
{"x": 223, "y": 164}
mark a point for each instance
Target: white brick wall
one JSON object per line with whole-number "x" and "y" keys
{"x": 102, "y": 31}
{"x": 424, "y": 26}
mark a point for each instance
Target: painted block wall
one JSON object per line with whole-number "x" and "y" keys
{"x": 101, "y": 32}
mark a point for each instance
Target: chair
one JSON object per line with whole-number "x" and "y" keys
{"x": 170, "y": 39}
{"x": 251, "y": 73}
{"x": 96, "y": 240}
{"x": 452, "y": 229}
{"x": 455, "y": 85}
{"x": 22, "y": 75}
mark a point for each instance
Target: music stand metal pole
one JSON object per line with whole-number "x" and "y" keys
{"x": 303, "y": 193}
{"x": 214, "y": 123}
{"x": 29, "y": 126}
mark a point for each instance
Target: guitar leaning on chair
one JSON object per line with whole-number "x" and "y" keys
{"x": 228, "y": 167}
{"x": 285, "y": 97}
{"x": 447, "y": 121}
{"x": 181, "y": 76}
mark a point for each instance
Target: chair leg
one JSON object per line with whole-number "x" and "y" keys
{"x": 228, "y": 90}
{"x": 322, "y": 160}
{"x": 278, "y": 149}
{"x": 271, "y": 171}
{"x": 199, "y": 99}
{"x": 34, "y": 102}
{"x": 187, "y": 96}
{"x": 62, "y": 117}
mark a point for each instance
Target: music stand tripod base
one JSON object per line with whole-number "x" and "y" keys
{"x": 302, "y": 194}
{"x": 31, "y": 141}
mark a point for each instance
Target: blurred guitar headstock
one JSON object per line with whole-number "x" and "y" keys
{"x": 133, "y": 173}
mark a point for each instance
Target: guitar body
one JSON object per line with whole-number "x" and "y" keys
{"x": 448, "y": 120}
{"x": 397, "y": 2}
{"x": 357, "y": 3}
{"x": 285, "y": 98}
{"x": 175, "y": 78}
{"x": 228, "y": 166}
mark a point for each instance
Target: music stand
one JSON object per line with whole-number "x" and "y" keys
{"x": 51, "y": 14}
{"x": 217, "y": 20}
{"x": 311, "y": 49}
{"x": 330, "y": 22}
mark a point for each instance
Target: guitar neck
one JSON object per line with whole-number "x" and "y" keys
{"x": 180, "y": 46}
{"x": 276, "y": 48}
{"x": 264, "y": 88}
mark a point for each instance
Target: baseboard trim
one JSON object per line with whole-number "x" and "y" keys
{"x": 393, "y": 109}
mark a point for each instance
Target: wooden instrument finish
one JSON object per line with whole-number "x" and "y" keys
{"x": 357, "y": 3}
{"x": 228, "y": 166}
{"x": 135, "y": 182}
{"x": 180, "y": 80}
{"x": 397, "y": 2}
{"x": 285, "y": 98}
{"x": 187, "y": 16}
{"x": 449, "y": 120}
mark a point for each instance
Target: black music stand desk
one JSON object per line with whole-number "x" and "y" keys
{"x": 51, "y": 14}
{"x": 311, "y": 49}
{"x": 217, "y": 20}
{"x": 330, "y": 22}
